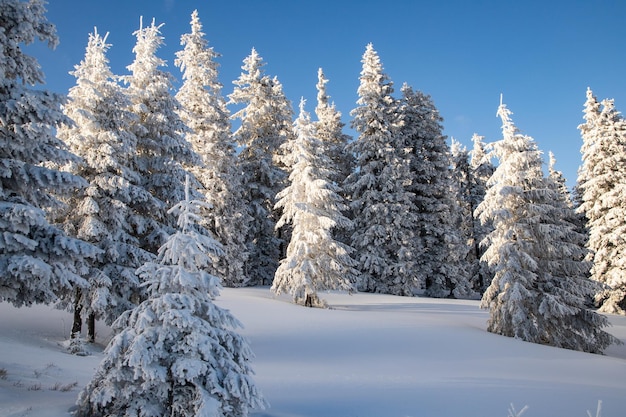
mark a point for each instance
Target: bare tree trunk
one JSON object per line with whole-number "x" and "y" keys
{"x": 77, "y": 324}
{"x": 91, "y": 328}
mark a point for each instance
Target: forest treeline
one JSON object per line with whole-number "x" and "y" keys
{"x": 98, "y": 186}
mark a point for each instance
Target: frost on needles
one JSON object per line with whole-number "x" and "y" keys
{"x": 177, "y": 353}
{"x": 203, "y": 109}
{"x": 112, "y": 211}
{"x": 38, "y": 261}
{"x": 540, "y": 285}
{"x": 602, "y": 186}
{"x": 311, "y": 204}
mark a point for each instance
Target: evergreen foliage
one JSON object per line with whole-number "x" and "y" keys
{"x": 162, "y": 153}
{"x": 463, "y": 221}
{"x": 107, "y": 163}
{"x": 38, "y": 261}
{"x": 481, "y": 171}
{"x": 329, "y": 128}
{"x": 177, "y": 353}
{"x": 385, "y": 216}
{"x": 540, "y": 286}
{"x": 266, "y": 118}
{"x": 315, "y": 260}
{"x": 203, "y": 110}
{"x": 437, "y": 261}
{"x": 114, "y": 205}
{"x": 558, "y": 180}
{"x": 602, "y": 184}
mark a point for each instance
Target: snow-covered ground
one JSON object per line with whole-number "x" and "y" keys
{"x": 368, "y": 356}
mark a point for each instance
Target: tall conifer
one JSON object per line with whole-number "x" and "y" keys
{"x": 482, "y": 170}
{"x": 602, "y": 184}
{"x": 436, "y": 264}
{"x": 114, "y": 205}
{"x": 203, "y": 109}
{"x": 38, "y": 261}
{"x": 385, "y": 216}
{"x": 266, "y": 118}
{"x": 540, "y": 287}
{"x": 163, "y": 155}
{"x": 315, "y": 261}
{"x": 329, "y": 130}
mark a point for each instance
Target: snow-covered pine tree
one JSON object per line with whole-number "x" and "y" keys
{"x": 203, "y": 109}
{"x": 38, "y": 261}
{"x": 558, "y": 184}
{"x": 436, "y": 265}
{"x": 540, "y": 286}
{"x": 329, "y": 130}
{"x": 482, "y": 170}
{"x": 315, "y": 260}
{"x": 163, "y": 155}
{"x": 114, "y": 205}
{"x": 385, "y": 216}
{"x": 569, "y": 200}
{"x": 602, "y": 182}
{"x": 177, "y": 353}
{"x": 558, "y": 181}
{"x": 266, "y": 119}
{"x": 463, "y": 221}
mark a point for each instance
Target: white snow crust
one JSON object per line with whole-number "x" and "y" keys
{"x": 369, "y": 355}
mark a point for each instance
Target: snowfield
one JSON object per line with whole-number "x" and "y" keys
{"x": 369, "y": 355}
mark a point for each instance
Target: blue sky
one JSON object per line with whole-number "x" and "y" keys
{"x": 541, "y": 55}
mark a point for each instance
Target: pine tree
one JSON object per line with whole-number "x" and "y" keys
{"x": 38, "y": 261}
{"x": 540, "y": 286}
{"x": 329, "y": 130}
{"x": 266, "y": 119}
{"x": 436, "y": 265}
{"x": 602, "y": 181}
{"x": 384, "y": 212}
{"x": 315, "y": 260}
{"x": 106, "y": 213}
{"x": 162, "y": 154}
{"x": 177, "y": 353}
{"x": 203, "y": 110}
{"x": 568, "y": 212}
{"x": 558, "y": 180}
{"x": 463, "y": 222}
{"x": 482, "y": 170}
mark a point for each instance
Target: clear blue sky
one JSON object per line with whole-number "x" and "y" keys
{"x": 542, "y": 55}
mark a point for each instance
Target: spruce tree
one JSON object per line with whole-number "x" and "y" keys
{"x": 266, "y": 119}
{"x": 108, "y": 212}
{"x": 602, "y": 182}
{"x": 463, "y": 222}
{"x": 329, "y": 130}
{"x": 177, "y": 353}
{"x": 558, "y": 180}
{"x": 315, "y": 260}
{"x": 38, "y": 262}
{"x": 162, "y": 153}
{"x": 436, "y": 264}
{"x": 540, "y": 286}
{"x": 203, "y": 110}
{"x": 385, "y": 216}
{"x": 481, "y": 171}
{"x": 564, "y": 200}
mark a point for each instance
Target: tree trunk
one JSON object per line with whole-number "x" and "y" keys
{"x": 77, "y": 324}
{"x": 91, "y": 328}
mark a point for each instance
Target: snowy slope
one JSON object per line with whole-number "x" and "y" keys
{"x": 368, "y": 356}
